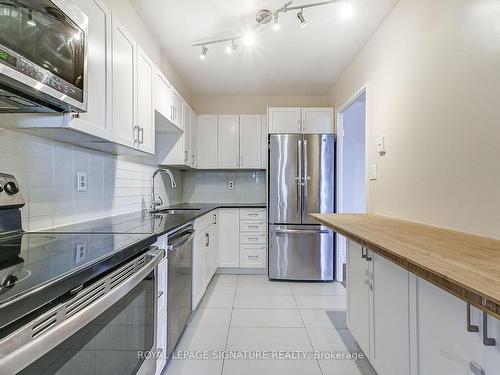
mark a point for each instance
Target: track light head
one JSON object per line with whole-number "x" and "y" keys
{"x": 203, "y": 54}
{"x": 276, "y": 23}
{"x": 231, "y": 48}
{"x": 302, "y": 20}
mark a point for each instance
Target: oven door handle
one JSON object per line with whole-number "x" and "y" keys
{"x": 25, "y": 346}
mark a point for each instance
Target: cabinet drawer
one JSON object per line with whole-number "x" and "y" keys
{"x": 203, "y": 222}
{"x": 252, "y": 256}
{"x": 254, "y": 213}
{"x": 249, "y": 237}
{"x": 253, "y": 225}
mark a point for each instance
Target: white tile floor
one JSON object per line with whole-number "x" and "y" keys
{"x": 251, "y": 313}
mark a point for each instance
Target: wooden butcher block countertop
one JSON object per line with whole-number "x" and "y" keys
{"x": 468, "y": 266}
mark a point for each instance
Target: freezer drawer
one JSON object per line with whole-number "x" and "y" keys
{"x": 301, "y": 252}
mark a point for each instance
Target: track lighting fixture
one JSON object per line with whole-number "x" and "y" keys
{"x": 203, "y": 54}
{"x": 302, "y": 20}
{"x": 276, "y": 23}
{"x": 266, "y": 16}
{"x": 31, "y": 18}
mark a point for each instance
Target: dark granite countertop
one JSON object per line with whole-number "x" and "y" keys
{"x": 146, "y": 223}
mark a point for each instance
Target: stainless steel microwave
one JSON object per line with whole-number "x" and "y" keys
{"x": 43, "y": 56}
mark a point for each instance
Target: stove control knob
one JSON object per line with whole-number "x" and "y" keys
{"x": 11, "y": 188}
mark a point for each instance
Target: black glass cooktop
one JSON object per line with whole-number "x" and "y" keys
{"x": 36, "y": 268}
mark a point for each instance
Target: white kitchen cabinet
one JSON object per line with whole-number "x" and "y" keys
{"x": 186, "y": 136}
{"x": 194, "y": 139}
{"x": 228, "y": 140}
{"x": 124, "y": 86}
{"x": 198, "y": 273}
{"x": 207, "y": 142}
{"x": 390, "y": 354}
{"x": 97, "y": 119}
{"x": 162, "y": 95}
{"x": 146, "y": 102}
{"x": 284, "y": 120}
{"x": 264, "y": 144}
{"x": 229, "y": 237}
{"x": 358, "y": 296}
{"x": 317, "y": 120}
{"x": 253, "y": 256}
{"x": 250, "y": 141}
{"x": 177, "y": 108}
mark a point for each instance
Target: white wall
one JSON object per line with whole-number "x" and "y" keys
{"x": 252, "y": 104}
{"x": 212, "y": 186}
{"x": 46, "y": 171}
{"x": 353, "y": 158}
{"x": 434, "y": 92}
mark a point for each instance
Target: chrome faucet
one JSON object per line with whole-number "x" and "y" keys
{"x": 159, "y": 202}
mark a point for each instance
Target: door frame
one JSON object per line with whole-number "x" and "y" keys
{"x": 341, "y": 241}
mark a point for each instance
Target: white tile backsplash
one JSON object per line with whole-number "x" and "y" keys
{"x": 46, "y": 171}
{"x": 212, "y": 186}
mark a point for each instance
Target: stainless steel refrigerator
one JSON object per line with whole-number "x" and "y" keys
{"x": 301, "y": 181}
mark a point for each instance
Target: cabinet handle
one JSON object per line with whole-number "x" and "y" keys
{"x": 185, "y": 157}
{"x": 253, "y": 257}
{"x": 136, "y": 134}
{"x": 476, "y": 369}
{"x": 470, "y": 327}
{"x": 487, "y": 341}
{"x": 141, "y": 135}
{"x": 171, "y": 112}
{"x": 365, "y": 255}
{"x": 253, "y": 239}
{"x": 253, "y": 226}
{"x": 215, "y": 219}
{"x": 298, "y": 125}
{"x": 207, "y": 239}
{"x": 192, "y": 159}
{"x": 253, "y": 214}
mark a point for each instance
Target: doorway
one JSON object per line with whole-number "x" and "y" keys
{"x": 351, "y": 167}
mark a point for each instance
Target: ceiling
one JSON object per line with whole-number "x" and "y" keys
{"x": 291, "y": 61}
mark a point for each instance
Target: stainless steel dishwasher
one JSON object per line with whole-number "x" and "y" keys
{"x": 180, "y": 268}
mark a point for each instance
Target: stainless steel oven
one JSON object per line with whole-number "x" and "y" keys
{"x": 43, "y": 56}
{"x": 106, "y": 327}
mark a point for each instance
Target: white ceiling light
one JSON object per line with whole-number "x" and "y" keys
{"x": 276, "y": 23}
{"x": 249, "y": 39}
{"x": 231, "y": 48}
{"x": 302, "y": 20}
{"x": 347, "y": 10}
{"x": 203, "y": 54}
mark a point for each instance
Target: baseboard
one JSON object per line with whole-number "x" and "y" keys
{"x": 241, "y": 271}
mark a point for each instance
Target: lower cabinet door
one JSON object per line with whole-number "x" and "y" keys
{"x": 358, "y": 309}
{"x": 229, "y": 237}
{"x": 390, "y": 354}
{"x": 252, "y": 256}
{"x": 199, "y": 253}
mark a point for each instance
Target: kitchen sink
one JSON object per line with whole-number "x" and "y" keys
{"x": 176, "y": 211}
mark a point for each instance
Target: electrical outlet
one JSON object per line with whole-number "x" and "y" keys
{"x": 80, "y": 252}
{"x": 230, "y": 185}
{"x": 82, "y": 181}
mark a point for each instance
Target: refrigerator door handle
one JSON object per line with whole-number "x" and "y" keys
{"x": 299, "y": 174}
{"x": 305, "y": 179}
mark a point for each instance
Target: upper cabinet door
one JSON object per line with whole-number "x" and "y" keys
{"x": 207, "y": 142}
{"x": 250, "y": 141}
{"x": 177, "y": 110}
{"x": 317, "y": 120}
{"x": 187, "y": 135}
{"x": 228, "y": 152}
{"x": 145, "y": 98}
{"x": 125, "y": 130}
{"x": 284, "y": 120}
{"x": 97, "y": 119}
{"x": 194, "y": 137}
{"x": 264, "y": 143}
{"x": 162, "y": 97}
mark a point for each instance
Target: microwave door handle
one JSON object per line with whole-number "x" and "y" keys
{"x": 23, "y": 353}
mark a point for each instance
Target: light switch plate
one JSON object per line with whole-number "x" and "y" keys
{"x": 82, "y": 181}
{"x": 372, "y": 172}
{"x": 230, "y": 185}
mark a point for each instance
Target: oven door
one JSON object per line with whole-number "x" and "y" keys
{"x": 108, "y": 327}
{"x": 43, "y": 52}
